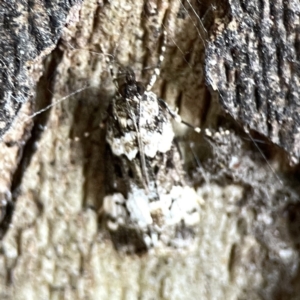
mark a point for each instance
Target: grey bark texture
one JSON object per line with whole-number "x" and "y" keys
{"x": 253, "y": 62}
{"x": 29, "y": 30}
{"x": 52, "y": 170}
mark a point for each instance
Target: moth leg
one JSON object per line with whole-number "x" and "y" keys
{"x": 176, "y": 116}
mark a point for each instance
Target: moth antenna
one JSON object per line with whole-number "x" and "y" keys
{"x": 263, "y": 155}
{"x": 161, "y": 58}
{"x": 56, "y": 102}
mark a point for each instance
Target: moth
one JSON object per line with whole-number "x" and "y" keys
{"x": 149, "y": 203}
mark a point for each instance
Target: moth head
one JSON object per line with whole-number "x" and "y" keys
{"x": 131, "y": 87}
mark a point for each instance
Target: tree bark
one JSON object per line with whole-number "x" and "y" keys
{"x": 53, "y": 171}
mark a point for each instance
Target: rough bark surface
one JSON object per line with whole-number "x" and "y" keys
{"x": 29, "y": 30}
{"x": 253, "y": 62}
{"x": 248, "y": 245}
